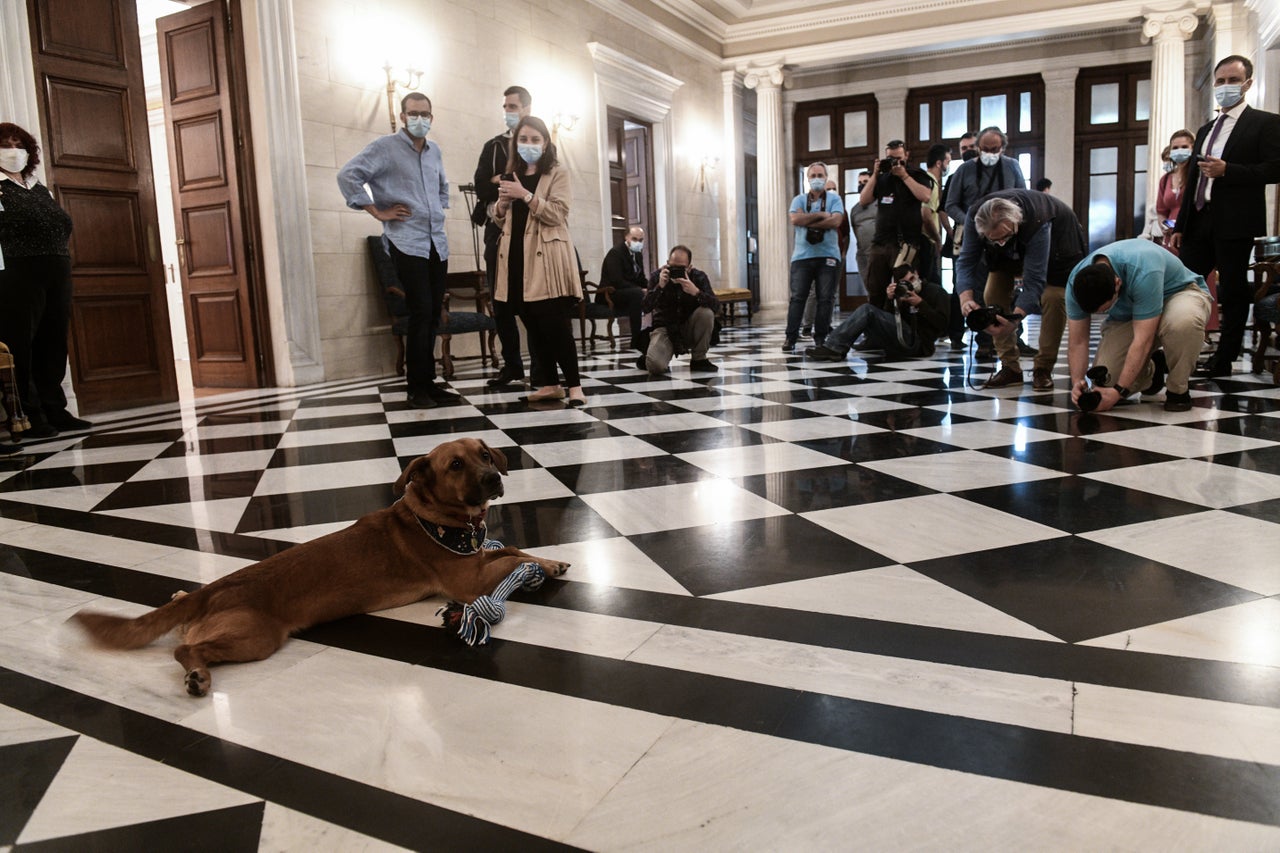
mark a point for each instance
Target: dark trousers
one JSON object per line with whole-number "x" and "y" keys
{"x": 423, "y": 280}
{"x": 628, "y": 301}
{"x": 881, "y": 329}
{"x": 35, "y": 312}
{"x": 1205, "y": 249}
{"x": 503, "y": 314}
{"x": 551, "y": 343}
{"x": 822, "y": 275}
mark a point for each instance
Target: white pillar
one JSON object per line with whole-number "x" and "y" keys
{"x": 892, "y": 104}
{"x": 18, "y": 102}
{"x": 1059, "y": 146}
{"x": 733, "y": 212}
{"x": 1168, "y": 32}
{"x": 1231, "y": 34}
{"x": 774, "y": 198}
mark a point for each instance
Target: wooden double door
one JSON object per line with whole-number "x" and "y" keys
{"x": 97, "y": 160}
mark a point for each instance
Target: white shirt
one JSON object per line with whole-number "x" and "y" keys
{"x": 1220, "y": 142}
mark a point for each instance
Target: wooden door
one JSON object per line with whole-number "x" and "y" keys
{"x": 97, "y": 160}
{"x": 207, "y": 159}
{"x": 638, "y": 169}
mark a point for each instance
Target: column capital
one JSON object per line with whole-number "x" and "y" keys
{"x": 767, "y": 77}
{"x": 732, "y": 78}
{"x": 1169, "y": 26}
{"x": 1059, "y": 76}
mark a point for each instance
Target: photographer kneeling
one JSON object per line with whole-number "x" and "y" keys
{"x": 917, "y": 316}
{"x": 684, "y": 314}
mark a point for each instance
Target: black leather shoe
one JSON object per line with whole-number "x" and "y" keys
{"x": 1212, "y": 370}
{"x": 9, "y": 448}
{"x": 824, "y": 354}
{"x": 703, "y": 366}
{"x": 1174, "y": 402}
{"x": 421, "y": 401}
{"x": 39, "y": 431}
{"x": 68, "y": 422}
{"x": 506, "y": 376}
{"x": 441, "y": 394}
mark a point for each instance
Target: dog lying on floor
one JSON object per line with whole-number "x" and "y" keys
{"x": 427, "y": 543}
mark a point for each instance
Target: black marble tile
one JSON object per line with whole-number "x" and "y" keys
{"x": 321, "y": 506}
{"x": 1262, "y": 510}
{"x": 823, "y": 488}
{"x": 1078, "y": 504}
{"x": 236, "y": 829}
{"x": 347, "y": 399}
{"x": 130, "y": 438}
{"x": 319, "y": 454}
{"x": 899, "y": 419}
{"x": 712, "y": 438}
{"x": 760, "y": 552}
{"x": 622, "y": 411}
{"x": 250, "y": 415}
{"x": 875, "y": 446}
{"x": 197, "y": 446}
{"x": 531, "y": 524}
{"x": 623, "y": 474}
{"x": 337, "y": 422}
{"x": 26, "y": 771}
{"x": 1076, "y": 590}
{"x": 1249, "y": 426}
{"x": 1078, "y": 455}
{"x": 443, "y": 426}
{"x": 553, "y": 432}
{"x": 212, "y": 487}
{"x": 71, "y": 476}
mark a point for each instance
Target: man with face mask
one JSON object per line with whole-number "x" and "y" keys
{"x": 623, "y": 270}
{"x": 1224, "y": 206}
{"x": 399, "y": 180}
{"x": 816, "y": 216}
{"x": 516, "y": 102}
{"x": 990, "y": 171}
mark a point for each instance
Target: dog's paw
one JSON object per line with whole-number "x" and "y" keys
{"x": 179, "y": 594}
{"x": 198, "y": 682}
{"x": 554, "y": 568}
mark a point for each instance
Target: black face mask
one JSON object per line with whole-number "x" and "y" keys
{"x": 969, "y": 155}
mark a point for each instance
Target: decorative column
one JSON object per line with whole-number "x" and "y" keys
{"x": 1168, "y": 33}
{"x": 1231, "y": 34}
{"x": 1059, "y": 145}
{"x": 893, "y": 119}
{"x": 774, "y": 199}
{"x": 733, "y": 210}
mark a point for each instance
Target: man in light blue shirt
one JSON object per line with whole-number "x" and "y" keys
{"x": 1151, "y": 300}
{"x": 399, "y": 180}
{"x": 817, "y": 216}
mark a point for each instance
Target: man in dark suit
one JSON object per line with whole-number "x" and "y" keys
{"x": 623, "y": 270}
{"x": 1237, "y": 155}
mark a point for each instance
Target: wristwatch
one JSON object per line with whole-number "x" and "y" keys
{"x": 1122, "y": 391}
{"x": 528, "y": 197}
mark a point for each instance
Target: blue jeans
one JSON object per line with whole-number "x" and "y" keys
{"x": 880, "y": 328}
{"x": 805, "y": 273}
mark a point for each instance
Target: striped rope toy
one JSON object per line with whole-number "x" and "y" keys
{"x": 474, "y": 621}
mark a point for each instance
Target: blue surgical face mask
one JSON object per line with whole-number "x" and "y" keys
{"x": 418, "y": 126}
{"x": 636, "y": 246}
{"x": 1168, "y": 167}
{"x": 1180, "y": 155}
{"x": 1229, "y": 95}
{"x": 816, "y": 184}
{"x": 512, "y": 119}
{"x": 529, "y": 153}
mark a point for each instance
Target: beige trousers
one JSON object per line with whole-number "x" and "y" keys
{"x": 1053, "y": 321}
{"x": 1181, "y": 334}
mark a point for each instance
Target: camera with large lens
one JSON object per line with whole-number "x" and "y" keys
{"x": 904, "y": 288}
{"x": 1089, "y": 400}
{"x": 674, "y": 272}
{"x": 980, "y": 318}
{"x": 887, "y": 164}
{"x": 814, "y": 235}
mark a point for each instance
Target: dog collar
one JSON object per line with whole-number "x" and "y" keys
{"x": 459, "y": 540}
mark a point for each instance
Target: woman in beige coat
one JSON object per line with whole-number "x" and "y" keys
{"x": 537, "y": 267}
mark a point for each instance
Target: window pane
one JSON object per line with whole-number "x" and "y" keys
{"x": 1024, "y": 113}
{"x": 1104, "y": 103}
{"x": 1139, "y": 203}
{"x": 1142, "y": 112}
{"x": 1104, "y": 160}
{"x": 855, "y": 129}
{"x": 955, "y": 119}
{"x": 924, "y": 122}
{"x": 820, "y": 133}
{"x": 1102, "y": 210}
{"x": 1024, "y": 161}
{"x": 994, "y": 112}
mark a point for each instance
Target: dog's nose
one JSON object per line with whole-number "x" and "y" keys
{"x": 492, "y": 481}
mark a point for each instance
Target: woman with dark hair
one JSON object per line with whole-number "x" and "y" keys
{"x": 35, "y": 285}
{"x": 1172, "y": 182}
{"x": 537, "y": 266}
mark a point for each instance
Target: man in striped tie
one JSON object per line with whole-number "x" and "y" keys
{"x": 1237, "y": 155}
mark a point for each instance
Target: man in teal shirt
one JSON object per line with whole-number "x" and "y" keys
{"x": 1152, "y": 302}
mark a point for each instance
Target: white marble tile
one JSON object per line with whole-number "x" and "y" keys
{"x": 78, "y": 456}
{"x": 100, "y": 787}
{"x": 998, "y": 408}
{"x": 532, "y": 484}
{"x": 772, "y": 387}
{"x": 205, "y": 432}
{"x": 222, "y": 515}
{"x": 665, "y": 383}
{"x": 624, "y": 398}
{"x": 795, "y": 372}
{"x": 681, "y": 505}
{"x": 1196, "y": 481}
{"x": 1243, "y": 633}
{"x": 532, "y": 418}
{"x": 721, "y": 402}
{"x": 340, "y": 435}
{"x": 285, "y": 829}
{"x": 759, "y": 459}
{"x": 198, "y": 566}
{"x": 1248, "y": 733}
{"x": 723, "y": 789}
{"x": 611, "y": 562}
{"x": 878, "y": 389}
{"x": 25, "y": 599}
{"x": 420, "y": 445}
{"x": 446, "y": 739}
{"x": 1251, "y": 560}
{"x": 1181, "y": 441}
{"x": 305, "y": 533}
{"x": 1272, "y": 393}
{"x": 17, "y": 727}
{"x": 905, "y": 375}
{"x": 666, "y": 423}
{"x": 81, "y": 498}
{"x": 979, "y": 434}
{"x": 203, "y": 465}
{"x": 892, "y": 593}
{"x": 922, "y": 528}
{"x": 441, "y": 413}
{"x": 330, "y": 475}
{"x": 584, "y": 451}
{"x": 851, "y": 407}
{"x": 339, "y": 411}
{"x": 1153, "y": 410}
{"x": 961, "y": 470}
{"x": 82, "y": 545}
{"x": 805, "y": 429}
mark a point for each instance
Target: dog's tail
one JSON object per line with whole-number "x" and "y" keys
{"x": 119, "y": 632}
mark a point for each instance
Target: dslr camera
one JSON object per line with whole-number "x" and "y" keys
{"x": 904, "y": 288}
{"x": 674, "y": 272}
{"x": 1089, "y": 400}
{"x": 980, "y": 318}
{"x": 814, "y": 235}
{"x": 887, "y": 164}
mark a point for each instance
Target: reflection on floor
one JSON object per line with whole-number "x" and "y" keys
{"x": 808, "y": 603}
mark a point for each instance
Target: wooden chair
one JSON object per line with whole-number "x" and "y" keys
{"x": 392, "y": 295}
{"x": 472, "y": 287}
{"x": 590, "y": 311}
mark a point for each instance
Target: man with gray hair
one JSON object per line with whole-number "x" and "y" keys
{"x": 1028, "y": 233}
{"x": 817, "y": 215}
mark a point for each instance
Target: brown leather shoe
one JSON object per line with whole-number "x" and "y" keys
{"x": 1006, "y": 377}
{"x": 1042, "y": 379}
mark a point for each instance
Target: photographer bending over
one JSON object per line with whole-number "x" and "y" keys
{"x": 917, "y": 316}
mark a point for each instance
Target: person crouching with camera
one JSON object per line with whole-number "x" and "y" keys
{"x": 816, "y": 260}
{"x": 916, "y": 316}
{"x": 684, "y": 314}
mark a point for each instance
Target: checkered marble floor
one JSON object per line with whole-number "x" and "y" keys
{"x": 808, "y": 602}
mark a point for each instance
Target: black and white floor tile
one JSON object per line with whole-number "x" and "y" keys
{"x": 818, "y": 606}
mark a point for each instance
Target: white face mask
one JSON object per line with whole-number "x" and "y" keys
{"x": 1229, "y": 95}
{"x": 418, "y": 126}
{"x": 512, "y": 119}
{"x": 636, "y": 246}
{"x": 988, "y": 159}
{"x": 13, "y": 159}
{"x": 1180, "y": 155}
{"x": 816, "y": 184}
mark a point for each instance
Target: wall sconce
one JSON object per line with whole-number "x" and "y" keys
{"x": 562, "y": 121}
{"x": 708, "y": 164}
{"x": 412, "y": 79}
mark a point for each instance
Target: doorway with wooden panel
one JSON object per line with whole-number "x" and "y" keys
{"x": 91, "y": 97}
{"x": 631, "y": 182}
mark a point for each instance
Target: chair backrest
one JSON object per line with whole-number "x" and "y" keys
{"x": 389, "y": 283}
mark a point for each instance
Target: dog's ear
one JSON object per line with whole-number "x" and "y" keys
{"x": 419, "y": 469}
{"x": 499, "y": 458}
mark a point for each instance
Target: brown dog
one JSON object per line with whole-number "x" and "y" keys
{"x": 427, "y": 543}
